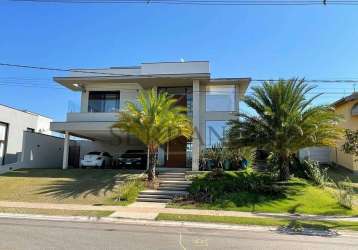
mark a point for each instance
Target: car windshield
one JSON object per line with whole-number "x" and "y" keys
{"x": 132, "y": 153}
{"x": 94, "y": 153}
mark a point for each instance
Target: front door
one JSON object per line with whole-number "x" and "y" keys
{"x": 176, "y": 153}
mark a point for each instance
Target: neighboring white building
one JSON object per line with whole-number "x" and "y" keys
{"x": 105, "y": 92}
{"x": 13, "y": 123}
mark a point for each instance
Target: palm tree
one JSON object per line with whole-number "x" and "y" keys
{"x": 285, "y": 121}
{"x": 155, "y": 120}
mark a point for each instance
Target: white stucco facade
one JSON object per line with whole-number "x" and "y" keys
{"x": 15, "y": 122}
{"x": 193, "y": 78}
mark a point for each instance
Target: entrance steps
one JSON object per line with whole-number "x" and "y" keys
{"x": 172, "y": 183}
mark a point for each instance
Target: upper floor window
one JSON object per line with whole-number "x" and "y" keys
{"x": 355, "y": 109}
{"x": 184, "y": 95}
{"x": 220, "y": 98}
{"x": 104, "y": 101}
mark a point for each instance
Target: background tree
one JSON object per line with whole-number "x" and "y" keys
{"x": 155, "y": 120}
{"x": 350, "y": 145}
{"x": 285, "y": 121}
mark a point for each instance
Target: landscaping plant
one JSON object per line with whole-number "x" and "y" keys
{"x": 155, "y": 120}
{"x": 317, "y": 175}
{"x": 219, "y": 158}
{"x": 285, "y": 120}
{"x": 345, "y": 193}
{"x": 209, "y": 187}
{"x": 350, "y": 146}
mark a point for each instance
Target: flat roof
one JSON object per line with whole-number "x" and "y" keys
{"x": 25, "y": 111}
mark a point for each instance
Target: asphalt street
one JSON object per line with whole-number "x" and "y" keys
{"x": 35, "y": 234}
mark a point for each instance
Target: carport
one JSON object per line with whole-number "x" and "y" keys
{"x": 94, "y": 136}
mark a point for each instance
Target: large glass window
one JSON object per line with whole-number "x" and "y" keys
{"x": 220, "y": 98}
{"x": 215, "y": 132}
{"x": 184, "y": 96}
{"x": 104, "y": 101}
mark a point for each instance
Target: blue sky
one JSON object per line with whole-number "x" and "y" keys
{"x": 258, "y": 41}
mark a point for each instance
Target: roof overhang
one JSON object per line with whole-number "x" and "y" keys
{"x": 149, "y": 81}
{"x": 346, "y": 99}
{"x": 146, "y": 81}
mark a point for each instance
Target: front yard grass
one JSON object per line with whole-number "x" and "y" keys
{"x": 340, "y": 174}
{"x": 314, "y": 224}
{"x": 72, "y": 186}
{"x": 59, "y": 212}
{"x": 299, "y": 196}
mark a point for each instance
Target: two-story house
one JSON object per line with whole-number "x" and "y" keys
{"x": 104, "y": 94}
{"x": 347, "y": 108}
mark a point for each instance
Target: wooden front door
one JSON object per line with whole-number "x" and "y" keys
{"x": 176, "y": 153}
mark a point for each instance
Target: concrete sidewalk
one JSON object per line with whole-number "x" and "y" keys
{"x": 149, "y": 211}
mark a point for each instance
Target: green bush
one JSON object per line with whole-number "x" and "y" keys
{"x": 220, "y": 157}
{"x": 210, "y": 187}
{"x": 129, "y": 190}
{"x": 317, "y": 175}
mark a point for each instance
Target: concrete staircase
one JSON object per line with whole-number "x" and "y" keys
{"x": 172, "y": 183}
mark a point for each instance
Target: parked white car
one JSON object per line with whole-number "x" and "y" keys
{"x": 96, "y": 159}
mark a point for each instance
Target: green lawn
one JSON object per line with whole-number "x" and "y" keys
{"x": 323, "y": 225}
{"x": 76, "y": 186}
{"x": 340, "y": 174}
{"x": 299, "y": 197}
{"x": 60, "y": 212}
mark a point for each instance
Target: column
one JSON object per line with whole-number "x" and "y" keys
{"x": 196, "y": 126}
{"x": 237, "y": 97}
{"x": 66, "y": 146}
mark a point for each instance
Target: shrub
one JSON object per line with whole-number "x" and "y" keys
{"x": 210, "y": 187}
{"x": 273, "y": 163}
{"x": 129, "y": 190}
{"x": 316, "y": 174}
{"x": 345, "y": 193}
{"x": 219, "y": 158}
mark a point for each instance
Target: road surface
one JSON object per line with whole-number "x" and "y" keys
{"x": 34, "y": 234}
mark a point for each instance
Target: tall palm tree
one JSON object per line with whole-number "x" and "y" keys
{"x": 285, "y": 121}
{"x": 155, "y": 120}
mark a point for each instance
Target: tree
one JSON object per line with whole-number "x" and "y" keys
{"x": 155, "y": 120}
{"x": 285, "y": 121}
{"x": 350, "y": 145}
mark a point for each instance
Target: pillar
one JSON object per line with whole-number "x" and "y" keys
{"x": 66, "y": 146}
{"x": 196, "y": 126}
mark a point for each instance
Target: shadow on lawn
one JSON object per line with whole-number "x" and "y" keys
{"x": 81, "y": 183}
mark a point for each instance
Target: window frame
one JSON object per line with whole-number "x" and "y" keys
{"x": 102, "y": 97}
{"x": 5, "y": 141}
{"x": 355, "y": 106}
{"x": 207, "y": 96}
{"x": 207, "y": 145}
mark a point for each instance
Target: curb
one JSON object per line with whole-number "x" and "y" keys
{"x": 142, "y": 222}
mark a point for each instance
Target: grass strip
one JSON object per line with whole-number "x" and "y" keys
{"x": 322, "y": 225}
{"x": 60, "y": 212}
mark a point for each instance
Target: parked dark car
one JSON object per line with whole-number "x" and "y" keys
{"x": 133, "y": 159}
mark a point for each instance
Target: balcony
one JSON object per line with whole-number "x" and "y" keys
{"x": 91, "y": 117}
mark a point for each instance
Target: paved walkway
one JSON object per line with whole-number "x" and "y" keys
{"x": 149, "y": 211}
